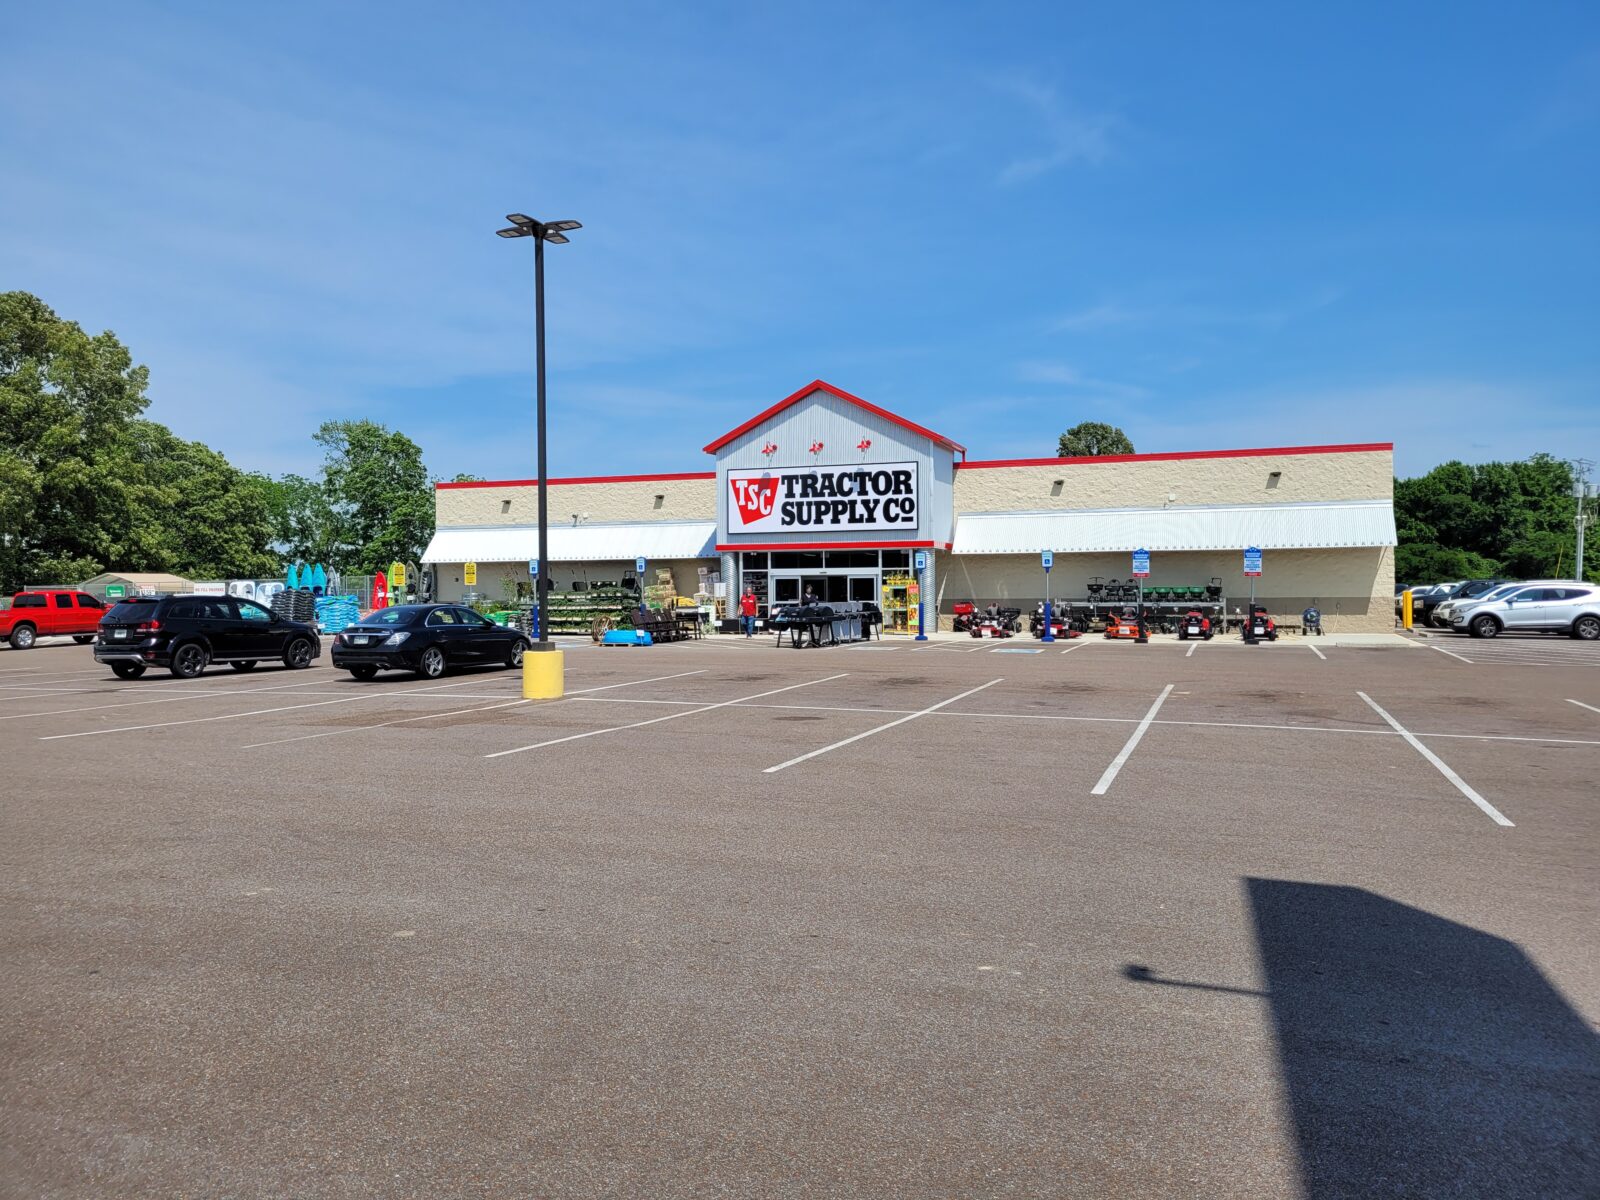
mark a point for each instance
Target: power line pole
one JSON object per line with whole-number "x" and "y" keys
{"x": 1580, "y": 493}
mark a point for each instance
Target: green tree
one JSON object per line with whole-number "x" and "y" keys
{"x": 1462, "y": 521}
{"x": 301, "y": 518}
{"x": 378, "y": 492}
{"x": 86, "y": 483}
{"x": 1089, "y": 439}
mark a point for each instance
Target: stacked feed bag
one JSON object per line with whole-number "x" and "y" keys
{"x": 337, "y": 612}
{"x": 297, "y": 604}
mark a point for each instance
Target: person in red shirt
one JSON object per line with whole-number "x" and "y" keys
{"x": 747, "y": 611}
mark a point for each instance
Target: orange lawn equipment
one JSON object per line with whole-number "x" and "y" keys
{"x": 1124, "y": 626}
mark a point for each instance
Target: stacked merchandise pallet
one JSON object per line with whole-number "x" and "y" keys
{"x": 337, "y": 612}
{"x": 663, "y": 593}
{"x": 296, "y": 604}
{"x": 576, "y": 612}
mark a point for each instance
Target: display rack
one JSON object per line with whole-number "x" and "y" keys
{"x": 576, "y": 612}
{"x": 900, "y": 593}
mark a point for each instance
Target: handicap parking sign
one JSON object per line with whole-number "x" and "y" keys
{"x": 1252, "y": 561}
{"x": 1141, "y": 563}
{"x": 1048, "y": 558}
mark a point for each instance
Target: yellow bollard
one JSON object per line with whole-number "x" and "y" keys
{"x": 543, "y": 675}
{"x": 1405, "y": 608}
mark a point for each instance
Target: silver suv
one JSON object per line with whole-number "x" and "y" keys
{"x": 1539, "y": 605}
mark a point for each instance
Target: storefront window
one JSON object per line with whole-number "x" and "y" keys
{"x": 753, "y": 561}
{"x": 797, "y": 560}
{"x": 896, "y": 558}
{"x": 852, "y": 558}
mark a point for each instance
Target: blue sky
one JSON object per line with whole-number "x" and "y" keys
{"x": 1213, "y": 225}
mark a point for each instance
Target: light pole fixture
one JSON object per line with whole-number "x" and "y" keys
{"x": 541, "y": 232}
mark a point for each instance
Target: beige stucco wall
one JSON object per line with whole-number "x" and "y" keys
{"x": 1355, "y": 475}
{"x": 1354, "y": 588}
{"x": 518, "y": 504}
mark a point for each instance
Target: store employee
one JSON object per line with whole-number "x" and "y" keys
{"x": 747, "y": 611}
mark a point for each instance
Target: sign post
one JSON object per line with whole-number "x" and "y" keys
{"x": 1252, "y": 570}
{"x": 1047, "y": 559}
{"x": 1141, "y": 572}
{"x": 920, "y": 561}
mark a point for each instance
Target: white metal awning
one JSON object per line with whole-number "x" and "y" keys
{"x": 1269, "y": 526}
{"x": 575, "y": 543}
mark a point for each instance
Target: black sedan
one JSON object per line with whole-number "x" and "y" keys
{"x": 427, "y": 639}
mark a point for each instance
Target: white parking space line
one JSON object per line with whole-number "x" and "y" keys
{"x": 1079, "y": 646}
{"x": 1581, "y": 704}
{"x": 376, "y": 694}
{"x": 635, "y": 682}
{"x": 305, "y": 737}
{"x": 1452, "y": 654}
{"x": 783, "y": 766}
{"x": 1110, "y": 774}
{"x": 1192, "y": 649}
{"x": 205, "y": 695}
{"x": 573, "y": 737}
{"x": 1460, "y": 784}
{"x": 1317, "y": 652}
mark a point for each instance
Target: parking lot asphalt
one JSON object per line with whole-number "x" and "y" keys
{"x": 881, "y": 920}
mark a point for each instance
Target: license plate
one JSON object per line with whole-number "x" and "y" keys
{"x": 119, "y": 633}
{"x": 358, "y": 641}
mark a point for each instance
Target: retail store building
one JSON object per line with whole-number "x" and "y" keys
{"x": 828, "y": 490}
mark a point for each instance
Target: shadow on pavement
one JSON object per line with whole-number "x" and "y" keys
{"x": 1422, "y": 1057}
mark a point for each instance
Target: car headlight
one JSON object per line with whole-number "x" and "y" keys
{"x": 394, "y": 639}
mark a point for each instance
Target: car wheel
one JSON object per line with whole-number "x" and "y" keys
{"x": 127, "y": 670}
{"x": 364, "y": 672}
{"x": 297, "y": 654}
{"x": 83, "y": 639}
{"x": 1484, "y": 627}
{"x": 518, "y": 649}
{"x": 188, "y": 660}
{"x": 248, "y": 665}
{"x": 1586, "y": 629}
{"x": 23, "y": 637}
{"x": 431, "y": 664}
{"x": 1182, "y": 636}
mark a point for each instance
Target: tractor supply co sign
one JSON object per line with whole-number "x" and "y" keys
{"x": 795, "y": 499}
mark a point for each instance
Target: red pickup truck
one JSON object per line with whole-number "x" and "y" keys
{"x": 33, "y": 615}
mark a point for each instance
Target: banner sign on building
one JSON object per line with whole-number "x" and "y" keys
{"x": 798, "y": 499}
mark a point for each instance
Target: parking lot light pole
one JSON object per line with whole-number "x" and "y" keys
{"x": 541, "y": 232}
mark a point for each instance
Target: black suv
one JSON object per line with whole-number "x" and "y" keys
{"x": 184, "y": 633}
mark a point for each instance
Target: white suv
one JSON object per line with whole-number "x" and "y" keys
{"x": 1543, "y": 605}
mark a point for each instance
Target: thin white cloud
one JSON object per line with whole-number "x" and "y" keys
{"x": 1067, "y": 376}
{"x": 1070, "y": 135}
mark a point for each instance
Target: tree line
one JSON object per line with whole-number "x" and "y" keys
{"x": 89, "y": 484}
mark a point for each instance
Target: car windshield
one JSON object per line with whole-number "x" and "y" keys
{"x": 1501, "y": 592}
{"x": 400, "y": 614}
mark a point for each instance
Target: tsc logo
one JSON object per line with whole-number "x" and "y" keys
{"x": 754, "y": 498}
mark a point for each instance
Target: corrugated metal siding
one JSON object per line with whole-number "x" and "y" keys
{"x": 840, "y": 426}
{"x": 1269, "y": 526}
{"x": 575, "y": 543}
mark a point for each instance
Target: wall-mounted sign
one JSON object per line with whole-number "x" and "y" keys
{"x": 805, "y": 499}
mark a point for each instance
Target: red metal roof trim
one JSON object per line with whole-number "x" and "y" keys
{"x": 837, "y": 546}
{"x": 1177, "y": 455}
{"x": 818, "y": 385}
{"x": 482, "y": 483}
